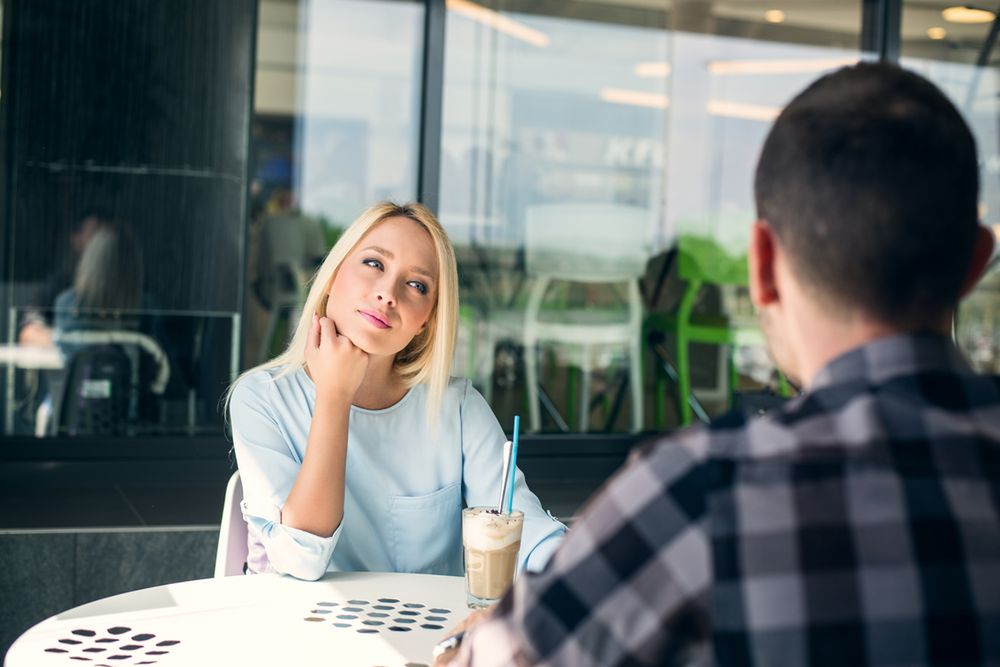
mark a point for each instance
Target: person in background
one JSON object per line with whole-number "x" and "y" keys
{"x": 35, "y": 327}
{"x": 355, "y": 448}
{"x": 107, "y": 290}
{"x": 109, "y": 336}
{"x": 860, "y": 523}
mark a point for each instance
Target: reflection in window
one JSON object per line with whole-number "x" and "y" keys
{"x": 598, "y": 131}
{"x": 124, "y": 215}
{"x": 335, "y": 129}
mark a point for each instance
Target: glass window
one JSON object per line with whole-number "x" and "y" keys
{"x": 596, "y": 169}
{"x": 335, "y": 129}
{"x": 955, "y": 46}
{"x": 124, "y": 196}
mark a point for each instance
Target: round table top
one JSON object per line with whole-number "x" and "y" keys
{"x": 345, "y": 618}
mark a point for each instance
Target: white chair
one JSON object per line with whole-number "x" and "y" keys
{"x": 231, "y": 554}
{"x": 585, "y": 243}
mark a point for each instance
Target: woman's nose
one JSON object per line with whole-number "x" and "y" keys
{"x": 385, "y": 293}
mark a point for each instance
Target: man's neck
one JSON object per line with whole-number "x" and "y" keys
{"x": 820, "y": 335}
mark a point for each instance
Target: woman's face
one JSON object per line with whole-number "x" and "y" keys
{"x": 385, "y": 289}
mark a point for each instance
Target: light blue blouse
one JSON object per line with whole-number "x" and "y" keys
{"x": 405, "y": 483}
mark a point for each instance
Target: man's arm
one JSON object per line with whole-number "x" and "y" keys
{"x": 630, "y": 582}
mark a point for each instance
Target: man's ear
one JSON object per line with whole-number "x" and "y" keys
{"x": 982, "y": 251}
{"x": 761, "y": 259}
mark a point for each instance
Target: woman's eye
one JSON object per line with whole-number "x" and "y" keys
{"x": 374, "y": 263}
{"x": 419, "y": 286}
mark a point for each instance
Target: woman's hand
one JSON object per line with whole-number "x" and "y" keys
{"x": 337, "y": 365}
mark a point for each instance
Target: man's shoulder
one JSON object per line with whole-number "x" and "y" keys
{"x": 673, "y": 468}
{"x": 694, "y": 444}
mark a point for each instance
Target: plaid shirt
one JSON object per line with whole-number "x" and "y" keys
{"x": 858, "y": 525}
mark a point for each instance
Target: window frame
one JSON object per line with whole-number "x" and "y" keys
{"x": 60, "y": 461}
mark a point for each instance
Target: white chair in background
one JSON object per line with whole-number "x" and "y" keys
{"x": 231, "y": 554}
{"x": 590, "y": 244}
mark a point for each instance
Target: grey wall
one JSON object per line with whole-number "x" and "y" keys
{"x": 43, "y": 573}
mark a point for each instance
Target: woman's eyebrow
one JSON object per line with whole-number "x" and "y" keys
{"x": 381, "y": 251}
{"x": 423, "y": 272}
{"x": 388, "y": 253}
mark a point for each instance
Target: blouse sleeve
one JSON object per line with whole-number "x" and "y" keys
{"x": 482, "y": 451}
{"x": 268, "y": 467}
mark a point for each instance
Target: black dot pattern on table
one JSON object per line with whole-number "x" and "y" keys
{"x": 384, "y": 614}
{"x": 117, "y": 645}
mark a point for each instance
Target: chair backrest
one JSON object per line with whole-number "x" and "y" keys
{"x": 702, "y": 259}
{"x": 231, "y": 554}
{"x": 587, "y": 242}
{"x": 140, "y": 341}
{"x": 104, "y": 388}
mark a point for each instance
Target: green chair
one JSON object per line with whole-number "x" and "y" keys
{"x": 700, "y": 261}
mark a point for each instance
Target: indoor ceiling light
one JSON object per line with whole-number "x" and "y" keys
{"x": 774, "y": 16}
{"x": 741, "y": 110}
{"x": 652, "y": 70}
{"x": 783, "y": 66}
{"x": 967, "y": 14}
{"x": 637, "y": 98}
{"x": 498, "y": 22}
{"x": 937, "y": 32}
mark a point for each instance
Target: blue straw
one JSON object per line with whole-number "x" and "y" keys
{"x": 513, "y": 464}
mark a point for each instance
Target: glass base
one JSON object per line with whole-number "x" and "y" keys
{"x": 479, "y": 603}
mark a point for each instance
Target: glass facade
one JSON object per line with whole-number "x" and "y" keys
{"x": 956, "y": 48}
{"x": 123, "y": 166}
{"x": 573, "y": 176}
{"x": 335, "y": 129}
{"x": 592, "y": 163}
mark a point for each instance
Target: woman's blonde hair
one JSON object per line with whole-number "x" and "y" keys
{"x": 427, "y": 358}
{"x": 109, "y": 273}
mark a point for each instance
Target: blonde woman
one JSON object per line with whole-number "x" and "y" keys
{"x": 355, "y": 447}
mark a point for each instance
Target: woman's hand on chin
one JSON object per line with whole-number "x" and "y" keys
{"x": 337, "y": 365}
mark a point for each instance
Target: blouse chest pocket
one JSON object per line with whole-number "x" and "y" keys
{"x": 427, "y": 531}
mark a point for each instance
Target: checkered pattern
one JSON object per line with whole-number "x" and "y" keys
{"x": 857, "y": 526}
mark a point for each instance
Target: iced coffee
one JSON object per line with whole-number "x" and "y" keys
{"x": 491, "y": 541}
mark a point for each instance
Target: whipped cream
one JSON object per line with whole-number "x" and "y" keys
{"x": 484, "y": 530}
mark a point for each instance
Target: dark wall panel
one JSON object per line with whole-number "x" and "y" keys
{"x": 140, "y": 108}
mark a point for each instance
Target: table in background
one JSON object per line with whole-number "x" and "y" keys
{"x": 31, "y": 359}
{"x": 346, "y": 618}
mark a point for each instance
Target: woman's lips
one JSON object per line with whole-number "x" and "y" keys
{"x": 374, "y": 319}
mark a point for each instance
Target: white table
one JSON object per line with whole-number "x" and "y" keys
{"x": 31, "y": 356}
{"x": 349, "y": 618}
{"x": 31, "y": 359}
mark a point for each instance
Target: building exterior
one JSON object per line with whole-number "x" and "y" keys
{"x": 222, "y": 147}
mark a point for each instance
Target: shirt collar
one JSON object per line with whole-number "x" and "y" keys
{"x": 892, "y": 356}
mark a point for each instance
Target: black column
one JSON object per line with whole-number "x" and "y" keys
{"x": 141, "y": 108}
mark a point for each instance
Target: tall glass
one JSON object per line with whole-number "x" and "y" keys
{"x": 491, "y": 542}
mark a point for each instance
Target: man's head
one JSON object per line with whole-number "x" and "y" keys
{"x": 868, "y": 186}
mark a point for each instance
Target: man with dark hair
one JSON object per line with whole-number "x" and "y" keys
{"x": 860, "y": 523}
